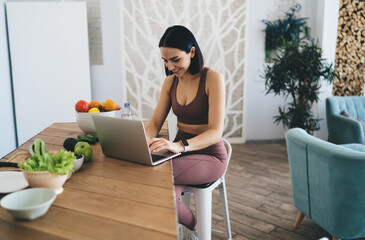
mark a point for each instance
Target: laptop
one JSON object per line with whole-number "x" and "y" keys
{"x": 126, "y": 140}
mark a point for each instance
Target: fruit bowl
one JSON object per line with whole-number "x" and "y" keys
{"x": 28, "y": 204}
{"x": 86, "y": 123}
{"x": 45, "y": 179}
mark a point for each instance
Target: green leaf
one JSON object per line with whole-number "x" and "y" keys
{"x": 61, "y": 163}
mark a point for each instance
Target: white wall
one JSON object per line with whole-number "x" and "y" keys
{"x": 106, "y": 79}
{"x": 327, "y": 21}
{"x": 107, "y": 82}
{"x": 260, "y": 108}
{"x": 7, "y": 127}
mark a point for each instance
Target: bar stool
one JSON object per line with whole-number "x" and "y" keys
{"x": 203, "y": 202}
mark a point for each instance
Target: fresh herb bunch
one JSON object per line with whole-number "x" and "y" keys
{"x": 61, "y": 163}
{"x": 280, "y": 33}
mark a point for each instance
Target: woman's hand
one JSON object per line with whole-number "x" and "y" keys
{"x": 158, "y": 144}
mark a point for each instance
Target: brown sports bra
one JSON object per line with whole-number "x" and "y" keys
{"x": 196, "y": 112}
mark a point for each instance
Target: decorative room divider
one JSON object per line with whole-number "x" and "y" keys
{"x": 218, "y": 25}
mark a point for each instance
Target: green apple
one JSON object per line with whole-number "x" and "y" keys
{"x": 84, "y": 149}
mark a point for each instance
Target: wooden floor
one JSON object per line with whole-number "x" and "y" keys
{"x": 260, "y": 197}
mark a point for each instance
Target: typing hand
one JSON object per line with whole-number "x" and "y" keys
{"x": 158, "y": 144}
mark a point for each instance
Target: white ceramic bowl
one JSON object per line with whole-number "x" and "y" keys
{"x": 29, "y": 203}
{"x": 86, "y": 123}
{"x": 45, "y": 179}
{"x": 78, "y": 163}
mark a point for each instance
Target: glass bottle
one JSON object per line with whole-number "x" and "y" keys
{"x": 127, "y": 112}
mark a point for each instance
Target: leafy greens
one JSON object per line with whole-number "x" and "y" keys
{"x": 61, "y": 163}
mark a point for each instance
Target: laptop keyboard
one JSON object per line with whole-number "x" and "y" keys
{"x": 156, "y": 157}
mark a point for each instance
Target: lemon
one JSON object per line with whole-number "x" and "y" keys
{"x": 94, "y": 110}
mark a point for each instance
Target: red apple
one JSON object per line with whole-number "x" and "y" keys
{"x": 82, "y": 106}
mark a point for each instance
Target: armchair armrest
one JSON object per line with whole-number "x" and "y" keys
{"x": 328, "y": 183}
{"x": 343, "y": 130}
{"x": 336, "y": 175}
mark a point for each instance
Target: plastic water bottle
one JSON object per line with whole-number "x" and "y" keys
{"x": 127, "y": 112}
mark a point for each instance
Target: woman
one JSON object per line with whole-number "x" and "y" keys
{"x": 197, "y": 97}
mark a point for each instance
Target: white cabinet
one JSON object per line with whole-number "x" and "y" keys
{"x": 7, "y": 127}
{"x": 50, "y": 62}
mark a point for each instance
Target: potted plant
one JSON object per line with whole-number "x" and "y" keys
{"x": 296, "y": 73}
{"x": 282, "y": 32}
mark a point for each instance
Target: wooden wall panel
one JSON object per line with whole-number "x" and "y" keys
{"x": 350, "y": 49}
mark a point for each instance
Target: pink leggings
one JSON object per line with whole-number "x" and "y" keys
{"x": 193, "y": 168}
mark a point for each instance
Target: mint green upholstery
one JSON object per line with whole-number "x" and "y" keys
{"x": 343, "y": 129}
{"x": 328, "y": 183}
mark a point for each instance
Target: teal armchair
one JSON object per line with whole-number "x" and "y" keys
{"x": 342, "y": 129}
{"x": 328, "y": 183}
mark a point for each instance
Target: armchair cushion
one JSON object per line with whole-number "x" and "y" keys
{"x": 341, "y": 129}
{"x": 346, "y": 114}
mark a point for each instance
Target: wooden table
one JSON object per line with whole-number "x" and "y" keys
{"x": 106, "y": 199}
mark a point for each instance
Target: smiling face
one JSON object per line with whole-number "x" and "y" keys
{"x": 176, "y": 60}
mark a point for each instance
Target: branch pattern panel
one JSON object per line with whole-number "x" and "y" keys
{"x": 218, "y": 25}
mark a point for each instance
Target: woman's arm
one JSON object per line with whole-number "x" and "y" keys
{"x": 215, "y": 88}
{"x": 161, "y": 110}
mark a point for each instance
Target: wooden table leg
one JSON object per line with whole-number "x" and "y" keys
{"x": 299, "y": 219}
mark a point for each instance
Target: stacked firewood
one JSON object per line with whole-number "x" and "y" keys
{"x": 350, "y": 49}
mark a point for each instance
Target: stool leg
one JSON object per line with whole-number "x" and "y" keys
{"x": 203, "y": 203}
{"x": 185, "y": 199}
{"x": 224, "y": 202}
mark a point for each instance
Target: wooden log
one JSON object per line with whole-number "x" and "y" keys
{"x": 350, "y": 49}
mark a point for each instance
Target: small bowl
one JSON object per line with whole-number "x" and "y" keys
{"x": 86, "y": 123}
{"x": 78, "y": 162}
{"x": 29, "y": 203}
{"x": 45, "y": 179}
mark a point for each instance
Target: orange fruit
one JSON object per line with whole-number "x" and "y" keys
{"x": 94, "y": 104}
{"x": 110, "y": 105}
